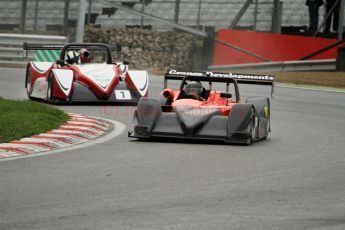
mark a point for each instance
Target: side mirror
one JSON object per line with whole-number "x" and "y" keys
{"x": 123, "y": 67}
{"x": 60, "y": 62}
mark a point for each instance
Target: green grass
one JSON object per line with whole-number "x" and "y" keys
{"x": 20, "y": 119}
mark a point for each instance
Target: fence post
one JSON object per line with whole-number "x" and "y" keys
{"x": 36, "y": 13}
{"x": 340, "y": 60}
{"x": 23, "y": 16}
{"x": 255, "y": 14}
{"x": 277, "y": 16}
{"x": 89, "y": 12}
{"x": 177, "y": 10}
{"x": 341, "y": 20}
{"x": 208, "y": 47}
{"x": 65, "y": 18}
{"x": 143, "y": 2}
{"x": 80, "y": 21}
{"x": 198, "y": 16}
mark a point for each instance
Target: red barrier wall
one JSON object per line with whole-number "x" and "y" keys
{"x": 275, "y": 47}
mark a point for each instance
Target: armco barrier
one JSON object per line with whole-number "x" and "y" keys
{"x": 11, "y": 46}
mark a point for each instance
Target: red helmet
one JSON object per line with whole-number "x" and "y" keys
{"x": 84, "y": 56}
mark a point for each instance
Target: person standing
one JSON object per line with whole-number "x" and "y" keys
{"x": 313, "y": 6}
{"x": 332, "y": 15}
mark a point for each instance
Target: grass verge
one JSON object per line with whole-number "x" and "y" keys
{"x": 20, "y": 119}
{"x": 325, "y": 79}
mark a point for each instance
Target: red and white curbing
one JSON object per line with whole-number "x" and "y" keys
{"x": 78, "y": 129}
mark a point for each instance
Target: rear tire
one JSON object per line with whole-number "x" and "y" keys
{"x": 253, "y": 128}
{"x": 267, "y": 129}
{"x": 268, "y": 125}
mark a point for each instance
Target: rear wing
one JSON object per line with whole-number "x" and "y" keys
{"x": 52, "y": 52}
{"x": 240, "y": 78}
{"x": 43, "y": 52}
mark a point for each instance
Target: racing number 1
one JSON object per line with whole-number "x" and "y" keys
{"x": 122, "y": 94}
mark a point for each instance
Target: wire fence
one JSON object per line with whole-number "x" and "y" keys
{"x": 57, "y": 17}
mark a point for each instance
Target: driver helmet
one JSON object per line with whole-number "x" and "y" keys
{"x": 194, "y": 88}
{"x": 84, "y": 56}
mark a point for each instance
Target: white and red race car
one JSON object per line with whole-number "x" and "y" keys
{"x": 69, "y": 79}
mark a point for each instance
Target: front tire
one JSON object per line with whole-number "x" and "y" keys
{"x": 28, "y": 82}
{"x": 50, "y": 87}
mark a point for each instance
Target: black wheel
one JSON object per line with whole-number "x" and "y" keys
{"x": 50, "y": 88}
{"x": 148, "y": 111}
{"x": 253, "y": 128}
{"x": 268, "y": 108}
{"x": 165, "y": 103}
{"x": 267, "y": 129}
{"x": 28, "y": 81}
{"x": 268, "y": 117}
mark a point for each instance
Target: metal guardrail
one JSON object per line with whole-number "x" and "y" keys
{"x": 310, "y": 65}
{"x": 11, "y": 46}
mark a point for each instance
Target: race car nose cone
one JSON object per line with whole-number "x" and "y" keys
{"x": 193, "y": 119}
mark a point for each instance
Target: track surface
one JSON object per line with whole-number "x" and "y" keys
{"x": 294, "y": 180}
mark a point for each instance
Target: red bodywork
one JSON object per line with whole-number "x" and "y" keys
{"x": 214, "y": 101}
{"x": 34, "y": 75}
{"x": 80, "y": 78}
{"x": 86, "y": 81}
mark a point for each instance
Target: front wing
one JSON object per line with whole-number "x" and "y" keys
{"x": 121, "y": 94}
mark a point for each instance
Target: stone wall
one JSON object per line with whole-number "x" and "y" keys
{"x": 149, "y": 49}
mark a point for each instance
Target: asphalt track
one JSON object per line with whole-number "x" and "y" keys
{"x": 293, "y": 180}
